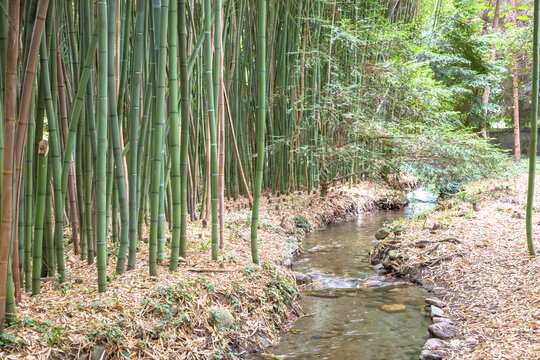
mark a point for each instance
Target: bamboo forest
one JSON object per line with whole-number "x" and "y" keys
{"x": 269, "y": 179}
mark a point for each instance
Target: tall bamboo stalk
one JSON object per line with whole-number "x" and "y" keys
{"x": 261, "y": 123}
{"x": 534, "y": 127}
{"x": 101, "y": 163}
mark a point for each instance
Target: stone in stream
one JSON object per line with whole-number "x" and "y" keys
{"x": 393, "y": 254}
{"x": 301, "y": 278}
{"x": 434, "y": 344}
{"x": 435, "y": 302}
{"x": 382, "y": 234}
{"x": 393, "y": 307}
{"x": 428, "y": 355}
{"x": 443, "y": 330}
{"x": 436, "y": 312}
{"x": 386, "y": 262}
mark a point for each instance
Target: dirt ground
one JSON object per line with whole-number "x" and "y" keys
{"x": 176, "y": 315}
{"x": 472, "y": 253}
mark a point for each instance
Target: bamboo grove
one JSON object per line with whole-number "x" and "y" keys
{"x": 120, "y": 116}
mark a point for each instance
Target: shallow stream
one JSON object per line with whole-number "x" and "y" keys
{"x": 357, "y": 314}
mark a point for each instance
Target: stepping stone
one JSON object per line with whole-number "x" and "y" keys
{"x": 436, "y": 302}
{"x": 443, "y": 330}
{"x": 436, "y": 312}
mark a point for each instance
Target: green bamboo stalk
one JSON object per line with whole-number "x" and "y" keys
{"x": 174, "y": 145}
{"x": 134, "y": 131}
{"x": 157, "y": 139}
{"x": 101, "y": 158}
{"x": 261, "y": 121}
{"x": 29, "y": 205}
{"x": 55, "y": 163}
{"x": 41, "y": 192}
{"x": 214, "y": 171}
{"x": 184, "y": 141}
{"x": 534, "y": 128}
{"x": 117, "y": 152}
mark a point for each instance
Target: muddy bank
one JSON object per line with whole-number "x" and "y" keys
{"x": 471, "y": 253}
{"x": 207, "y": 309}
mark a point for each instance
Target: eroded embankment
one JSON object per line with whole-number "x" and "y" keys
{"x": 206, "y": 309}
{"x": 472, "y": 254}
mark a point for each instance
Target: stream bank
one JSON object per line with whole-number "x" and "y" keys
{"x": 223, "y": 310}
{"x": 471, "y": 253}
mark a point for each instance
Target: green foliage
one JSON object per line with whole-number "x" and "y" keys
{"x": 10, "y": 341}
{"x": 303, "y": 223}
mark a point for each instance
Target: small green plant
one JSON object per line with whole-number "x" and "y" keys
{"x": 10, "y": 341}
{"x": 303, "y": 223}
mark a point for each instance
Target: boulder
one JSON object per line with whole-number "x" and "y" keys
{"x": 221, "y": 318}
{"x": 382, "y": 234}
{"x": 428, "y": 355}
{"x": 393, "y": 254}
{"x": 302, "y": 278}
{"x": 444, "y": 330}
{"x": 434, "y": 344}
{"x": 436, "y": 312}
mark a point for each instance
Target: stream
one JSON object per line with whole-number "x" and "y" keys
{"x": 357, "y": 314}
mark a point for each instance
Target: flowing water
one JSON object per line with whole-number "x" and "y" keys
{"x": 346, "y": 318}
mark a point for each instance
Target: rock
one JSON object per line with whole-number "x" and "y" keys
{"x": 98, "y": 353}
{"x": 443, "y": 330}
{"x": 434, "y": 344}
{"x": 393, "y": 254}
{"x": 301, "y": 278}
{"x": 436, "y": 312}
{"x": 399, "y": 229}
{"x": 386, "y": 262}
{"x": 393, "y": 307}
{"x": 294, "y": 248}
{"x": 437, "y": 320}
{"x": 382, "y": 234}
{"x": 427, "y": 355}
{"x": 221, "y": 318}
{"x": 264, "y": 341}
{"x": 436, "y": 302}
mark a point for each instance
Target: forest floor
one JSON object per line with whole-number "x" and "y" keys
{"x": 187, "y": 314}
{"x": 472, "y": 253}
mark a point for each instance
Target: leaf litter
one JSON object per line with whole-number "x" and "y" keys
{"x": 472, "y": 253}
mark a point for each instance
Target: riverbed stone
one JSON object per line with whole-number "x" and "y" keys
{"x": 436, "y": 312}
{"x": 302, "y": 278}
{"x": 428, "y": 355}
{"x": 437, "y": 320}
{"x": 221, "y": 318}
{"x": 393, "y": 307}
{"x": 382, "y": 234}
{"x": 436, "y": 302}
{"x": 393, "y": 254}
{"x": 434, "y": 344}
{"x": 443, "y": 331}
{"x": 386, "y": 262}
